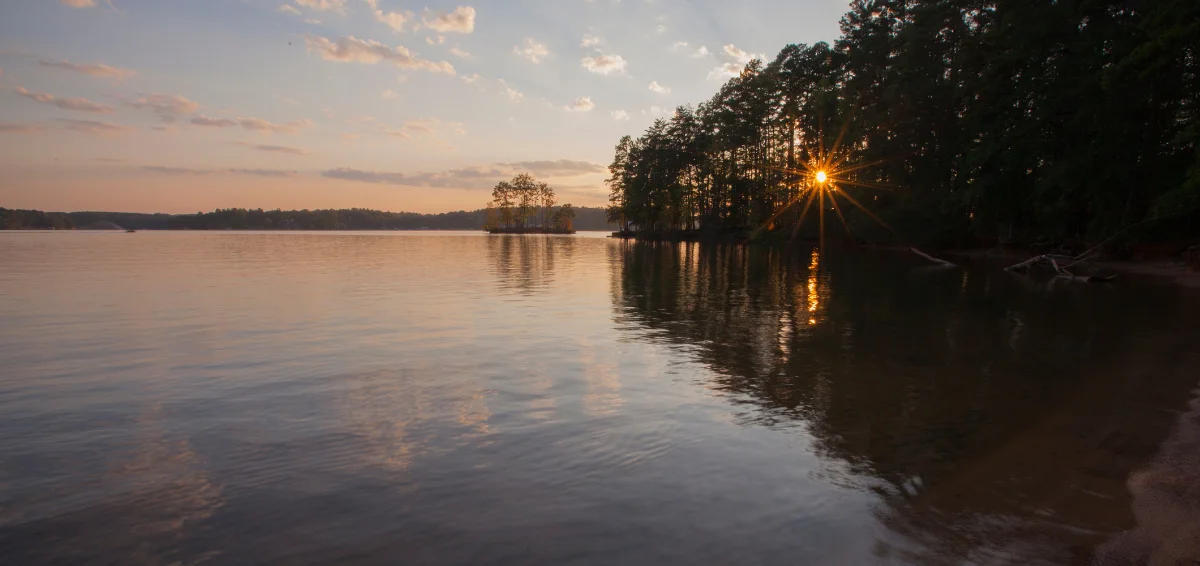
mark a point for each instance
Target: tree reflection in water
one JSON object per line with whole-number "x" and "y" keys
{"x": 997, "y": 423}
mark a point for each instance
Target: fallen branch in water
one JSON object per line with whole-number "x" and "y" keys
{"x": 929, "y": 257}
{"x": 1061, "y": 271}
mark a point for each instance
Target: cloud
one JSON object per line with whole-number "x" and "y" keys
{"x": 726, "y": 71}
{"x": 425, "y": 127}
{"x": 19, "y": 128}
{"x": 532, "y": 50}
{"x": 95, "y": 127}
{"x": 660, "y": 28}
{"x": 513, "y": 95}
{"x": 739, "y": 55}
{"x": 190, "y": 172}
{"x": 388, "y": 94}
{"x": 436, "y": 40}
{"x": 701, "y": 52}
{"x": 312, "y": 21}
{"x": 349, "y": 136}
{"x": 619, "y": 115}
{"x": 581, "y": 104}
{"x": 323, "y": 5}
{"x": 213, "y": 122}
{"x": 281, "y": 149}
{"x": 679, "y": 46}
{"x": 175, "y": 170}
{"x": 422, "y": 126}
{"x": 467, "y": 177}
{"x": 253, "y": 124}
{"x": 79, "y": 104}
{"x": 352, "y": 49}
{"x": 470, "y": 78}
{"x": 655, "y": 87}
{"x": 459, "y": 53}
{"x": 79, "y": 3}
{"x": 260, "y": 125}
{"x": 559, "y": 168}
{"x": 95, "y": 70}
{"x": 167, "y": 106}
{"x": 263, "y": 172}
{"x": 394, "y": 20}
{"x": 589, "y": 40}
{"x": 604, "y": 64}
{"x": 288, "y": 9}
{"x": 461, "y": 20}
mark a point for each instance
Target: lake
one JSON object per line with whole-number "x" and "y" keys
{"x": 459, "y": 398}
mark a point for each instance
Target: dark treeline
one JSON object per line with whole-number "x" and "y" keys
{"x": 1024, "y": 122}
{"x": 585, "y": 218}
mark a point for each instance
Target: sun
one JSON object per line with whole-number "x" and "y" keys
{"x": 821, "y": 176}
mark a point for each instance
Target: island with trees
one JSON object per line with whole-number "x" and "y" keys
{"x": 955, "y": 125}
{"x": 525, "y": 205}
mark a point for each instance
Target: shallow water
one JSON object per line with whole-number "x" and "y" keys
{"x": 457, "y": 398}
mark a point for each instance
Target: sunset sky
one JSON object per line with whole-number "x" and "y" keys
{"x": 188, "y": 105}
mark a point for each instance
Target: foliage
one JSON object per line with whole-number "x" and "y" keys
{"x": 525, "y": 202}
{"x": 988, "y": 122}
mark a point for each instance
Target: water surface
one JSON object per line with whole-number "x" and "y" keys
{"x": 457, "y": 398}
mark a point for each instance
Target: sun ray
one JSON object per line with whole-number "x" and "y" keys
{"x": 868, "y": 212}
{"x": 838, "y": 210}
{"x": 803, "y": 214}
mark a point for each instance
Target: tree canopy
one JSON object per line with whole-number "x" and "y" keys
{"x": 969, "y": 122}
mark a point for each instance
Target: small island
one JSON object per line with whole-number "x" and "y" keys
{"x": 525, "y": 205}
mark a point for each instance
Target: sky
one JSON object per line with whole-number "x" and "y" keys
{"x": 189, "y": 105}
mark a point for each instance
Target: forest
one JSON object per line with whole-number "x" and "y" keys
{"x": 580, "y": 218}
{"x": 953, "y": 123}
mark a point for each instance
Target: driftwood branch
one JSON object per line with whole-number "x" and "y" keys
{"x": 930, "y": 258}
{"x": 1061, "y": 271}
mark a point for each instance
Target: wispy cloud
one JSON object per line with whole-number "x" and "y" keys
{"x": 590, "y": 40}
{"x": 95, "y": 127}
{"x": 263, "y": 172}
{"x": 78, "y": 104}
{"x": 352, "y": 49}
{"x": 281, "y": 149}
{"x": 394, "y": 20}
{"x": 323, "y": 5}
{"x": 604, "y": 64}
{"x": 460, "y": 53}
{"x": 467, "y": 177}
{"x": 167, "y": 106}
{"x": 192, "y": 172}
{"x": 461, "y": 20}
{"x": 655, "y": 87}
{"x": 95, "y": 69}
{"x": 425, "y": 127}
{"x": 289, "y": 9}
{"x": 559, "y": 168}
{"x": 253, "y": 124}
{"x": 79, "y": 3}
{"x": 619, "y": 115}
{"x": 19, "y": 128}
{"x": 581, "y": 104}
{"x": 532, "y": 50}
